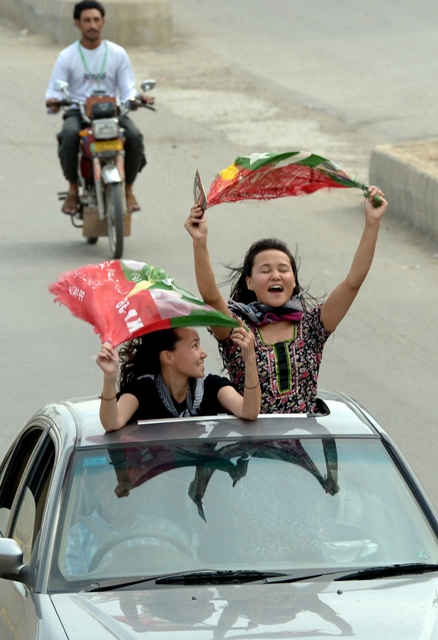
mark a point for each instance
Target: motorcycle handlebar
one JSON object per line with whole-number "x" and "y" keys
{"x": 129, "y": 104}
{"x": 137, "y": 102}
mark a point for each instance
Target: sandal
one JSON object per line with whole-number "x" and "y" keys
{"x": 71, "y": 204}
{"x": 131, "y": 202}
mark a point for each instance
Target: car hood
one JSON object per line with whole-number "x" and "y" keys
{"x": 366, "y": 609}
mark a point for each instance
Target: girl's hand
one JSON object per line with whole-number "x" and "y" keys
{"x": 374, "y": 214}
{"x": 244, "y": 338}
{"x": 108, "y": 360}
{"x": 196, "y": 223}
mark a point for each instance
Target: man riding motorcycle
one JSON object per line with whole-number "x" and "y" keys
{"x": 89, "y": 65}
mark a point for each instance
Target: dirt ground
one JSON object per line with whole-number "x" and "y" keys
{"x": 422, "y": 153}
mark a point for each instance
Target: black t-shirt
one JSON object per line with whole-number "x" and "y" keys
{"x": 151, "y": 406}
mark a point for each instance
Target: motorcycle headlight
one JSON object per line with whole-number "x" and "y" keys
{"x": 106, "y": 129}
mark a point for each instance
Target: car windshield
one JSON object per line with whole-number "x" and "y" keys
{"x": 276, "y": 504}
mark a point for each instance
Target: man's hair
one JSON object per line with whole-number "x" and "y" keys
{"x": 87, "y": 4}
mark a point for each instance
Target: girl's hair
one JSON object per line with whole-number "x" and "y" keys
{"x": 238, "y": 275}
{"x": 141, "y": 356}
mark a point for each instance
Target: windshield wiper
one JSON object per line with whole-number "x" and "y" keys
{"x": 371, "y": 573}
{"x": 298, "y": 577}
{"x": 190, "y": 577}
{"x": 265, "y": 577}
{"x": 218, "y": 577}
{"x": 109, "y": 585}
{"x": 374, "y": 573}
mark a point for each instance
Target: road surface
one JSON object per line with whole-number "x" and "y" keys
{"x": 236, "y": 81}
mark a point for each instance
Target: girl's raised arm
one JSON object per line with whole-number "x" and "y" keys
{"x": 340, "y": 300}
{"x": 196, "y": 225}
{"x": 248, "y": 406}
{"x": 114, "y": 414}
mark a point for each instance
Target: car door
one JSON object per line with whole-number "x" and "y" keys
{"x": 24, "y": 481}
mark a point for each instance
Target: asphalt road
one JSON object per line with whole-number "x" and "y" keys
{"x": 238, "y": 78}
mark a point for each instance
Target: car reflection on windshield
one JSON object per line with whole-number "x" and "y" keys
{"x": 150, "y": 611}
{"x": 251, "y": 503}
{"x": 135, "y": 466}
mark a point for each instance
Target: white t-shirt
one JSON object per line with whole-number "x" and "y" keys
{"x": 106, "y": 68}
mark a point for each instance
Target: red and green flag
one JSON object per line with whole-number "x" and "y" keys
{"x": 124, "y": 299}
{"x": 264, "y": 176}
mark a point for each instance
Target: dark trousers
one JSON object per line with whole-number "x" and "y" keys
{"x": 68, "y": 148}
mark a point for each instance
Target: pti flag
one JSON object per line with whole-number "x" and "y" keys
{"x": 264, "y": 176}
{"x": 124, "y": 299}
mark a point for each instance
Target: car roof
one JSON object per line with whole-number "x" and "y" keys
{"x": 339, "y": 416}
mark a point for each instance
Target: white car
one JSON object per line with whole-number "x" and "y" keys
{"x": 291, "y": 526}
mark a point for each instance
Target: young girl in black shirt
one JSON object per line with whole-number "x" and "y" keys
{"x": 162, "y": 376}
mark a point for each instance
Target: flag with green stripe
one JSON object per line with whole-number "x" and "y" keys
{"x": 264, "y": 176}
{"x": 124, "y": 299}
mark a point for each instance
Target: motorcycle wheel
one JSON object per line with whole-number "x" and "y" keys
{"x": 114, "y": 218}
{"x": 92, "y": 240}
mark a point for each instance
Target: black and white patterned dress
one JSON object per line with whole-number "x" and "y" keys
{"x": 288, "y": 371}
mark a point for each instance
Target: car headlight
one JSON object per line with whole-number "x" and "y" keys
{"x": 106, "y": 129}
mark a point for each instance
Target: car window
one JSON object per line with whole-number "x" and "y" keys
{"x": 271, "y": 504}
{"x": 12, "y": 471}
{"x": 28, "y": 514}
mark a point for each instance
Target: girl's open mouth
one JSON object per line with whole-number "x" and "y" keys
{"x": 276, "y": 288}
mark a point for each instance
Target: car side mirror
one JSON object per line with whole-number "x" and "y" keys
{"x": 11, "y": 561}
{"x": 147, "y": 85}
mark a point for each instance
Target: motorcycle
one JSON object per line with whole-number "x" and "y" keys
{"x": 102, "y": 207}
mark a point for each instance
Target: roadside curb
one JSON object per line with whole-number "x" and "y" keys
{"x": 129, "y": 23}
{"x": 406, "y": 174}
